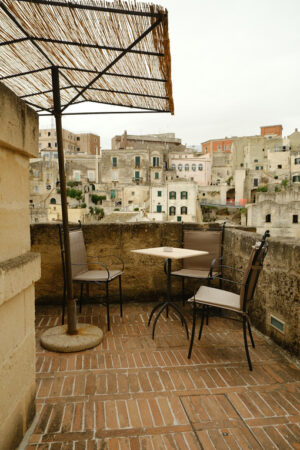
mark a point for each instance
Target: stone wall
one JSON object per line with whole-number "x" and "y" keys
{"x": 144, "y": 280}
{"x": 19, "y": 269}
{"x": 278, "y": 289}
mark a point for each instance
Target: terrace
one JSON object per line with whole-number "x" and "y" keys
{"x": 134, "y": 392}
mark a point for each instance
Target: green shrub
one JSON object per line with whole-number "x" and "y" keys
{"x": 97, "y": 198}
{"x": 83, "y": 205}
{"x": 284, "y": 183}
{"x": 277, "y": 189}
{"x": 117, "y": 209}
{"x": 262, "y": 188}
{"x": 74, "y": 193}
{"x": 136, "y": 209}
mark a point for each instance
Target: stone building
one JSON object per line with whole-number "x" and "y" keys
{"x": 166, "y": 141}
{"x": 19, "y": 270}
{"x": 192, "y": 166}
{"x": 217, "y": 146}
{"x": 278, "y": 212}
{"x": 175, "y": 201}
{"x": 86, "y": 143}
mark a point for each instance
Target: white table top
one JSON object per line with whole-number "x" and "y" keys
{"x": 172, "y": 253}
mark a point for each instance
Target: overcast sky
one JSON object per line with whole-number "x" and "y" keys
{"x": 235, "y": 67}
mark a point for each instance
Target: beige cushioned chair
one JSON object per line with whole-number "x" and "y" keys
{"x": 208, "y": 296}
{"x": 203, "y": 267}
{"x": 83, "y": 274}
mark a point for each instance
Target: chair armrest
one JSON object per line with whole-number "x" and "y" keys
{"x": 230, "y": 281}
{"x": 116, "y": 257}
{"x": 213, "y": 263}
{"x": 97, "y": 263}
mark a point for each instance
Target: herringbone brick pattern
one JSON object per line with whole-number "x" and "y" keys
{"x": 132, "y": 392}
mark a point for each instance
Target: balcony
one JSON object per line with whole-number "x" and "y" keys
{"x": 135, "y": 392}
{"x": 137, "y": 180}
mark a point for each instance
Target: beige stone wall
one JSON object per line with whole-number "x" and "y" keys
{"x": 19, "y": 269}
{"x": 144, "y": 279}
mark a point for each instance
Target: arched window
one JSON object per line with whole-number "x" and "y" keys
{"x": 183, "y": 210}
{"x": 200, "y": 166}
{"x": 53, "y": 201}
{"x": 186, "y": 167}
{"x": 194, "y": 167}
{"x": 93, "y": 187}
{"x": 268, "y": 218}
{"x": 172, "y": 195}
{"x": 173, "y": 166}
{"x": 183, "y": 195}
{"x": 172, "y": 211}
{"x": 180, "y": 167}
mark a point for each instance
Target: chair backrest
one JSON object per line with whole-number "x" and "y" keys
{"x": 209, "y": 241}
{"x": 253, "y": 270}
{"x": 78, "y": 252}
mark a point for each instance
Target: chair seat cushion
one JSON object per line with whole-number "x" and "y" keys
{"x": 217, "y": 297}
{"x": 192, "y": 273}
{"x": 97, "y": 275}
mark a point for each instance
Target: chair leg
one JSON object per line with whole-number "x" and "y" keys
{"x": 63, "y": 305}
{"x": 121, "y": 301}
{"x": 107, "y": 306}
{"x": 246, "y": 343}
{"x": 250, "y": 333}
{"x": 193, "y": 330}
{"x": 182, "y": 291}
{"x": 202, "y": 322}
{"x": 81, "y": 296}
{"x": 207, "y": 314}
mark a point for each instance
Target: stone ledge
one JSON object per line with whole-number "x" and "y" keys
{"x": 18, "y": 273}
{"x": 19, "y": 124}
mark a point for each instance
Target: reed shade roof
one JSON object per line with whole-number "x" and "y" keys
{"x": 84, "y": 38}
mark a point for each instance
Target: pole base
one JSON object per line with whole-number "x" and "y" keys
{"x": 57, "y": 340}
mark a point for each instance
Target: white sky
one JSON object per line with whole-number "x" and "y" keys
{"x": 235, "y": 67}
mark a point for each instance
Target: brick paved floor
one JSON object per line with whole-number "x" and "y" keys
{"x": 134, "y": 393}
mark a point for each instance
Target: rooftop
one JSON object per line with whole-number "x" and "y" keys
{"x": 132, "y": 392}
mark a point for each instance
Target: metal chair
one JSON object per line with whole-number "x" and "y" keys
{"x": 207, "y": 296}
{"x": 82, "y": 274}
{"x": 204, "y": 267}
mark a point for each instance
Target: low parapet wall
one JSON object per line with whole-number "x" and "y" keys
{"x": 277, "y": 293}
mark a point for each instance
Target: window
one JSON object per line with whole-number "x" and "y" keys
{"x": 53, "y": 201}
{"x": 219, "y": 148}
{"x": 297, "y": 160}
{"x": 194, "y": 167}
{"x": 186, "y": 167}
{"x": 78, "y": 149}
{"x": 255, "y": 182}
{"x": 183, "y": 210}
{"x": 40, "y": 145}
{"x": 279, "y": 166}
{"x": 156, "y": 175}
{"x": 76, "y": 175}
{"x": 268, "y": 218}
{"x": 295, "y": 218}
{"x": 137, "y": 161}
{"x": 296, "y": 178}
{"x": 184, "y": 195}
{"x": 256, "y": 160}
{"x": 55, "y": 145}
{"x": 180, "y": 167}
{"x": 36, "y": 189}
{"x": 172, "y": 211}
{"x": 200, "y": 166}
{"x": 155, "y": 160}
{"x": 174, "y": 166}
{"x": 259, "y": 168}
{"x": 172, "y": 195}
{"x": 158, "y": 208}
{"x": 49, "y": 144}
{"x": 49, "y": 133}
{"x": 178, "y": 218}
{"x": 114, "y": 161}
{"x": 137, "y": 175}
{"x": 78, "y": 138}
{"x": 91, "y": 175}
{"x": 112, "y": 194}
{"x": 158, "y": 193}
{"x": 115, "y": 176}
{"x": 132, "y": 193}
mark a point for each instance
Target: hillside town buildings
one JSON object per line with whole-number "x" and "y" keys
{"x": 158, "y": 178}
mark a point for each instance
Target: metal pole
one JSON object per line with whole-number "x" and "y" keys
{"x": 71, "y": 304}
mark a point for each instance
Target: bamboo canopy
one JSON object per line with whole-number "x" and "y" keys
{"x": 114, "y": 53}
{"x": 58, "y": 53}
